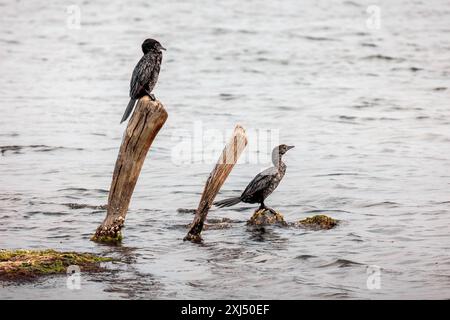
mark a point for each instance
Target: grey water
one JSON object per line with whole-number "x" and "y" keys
{"x": 362, "y": 93}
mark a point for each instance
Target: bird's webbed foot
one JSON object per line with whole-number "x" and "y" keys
{"x": 263, "y": 207}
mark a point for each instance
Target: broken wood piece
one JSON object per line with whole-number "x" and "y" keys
{"x": 217, "y": 177}
{"x": 145, "y": 123}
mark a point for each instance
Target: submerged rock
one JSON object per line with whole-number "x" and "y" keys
{"x": 318, "y": 222}
{"x": 28, "y": 264}
{"x": 263, "y": 217}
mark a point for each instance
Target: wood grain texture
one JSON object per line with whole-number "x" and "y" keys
{"x": 217, "y": 177}
{"x": 145, "y": 123}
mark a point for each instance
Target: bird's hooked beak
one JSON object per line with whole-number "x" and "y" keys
{"x": 290, "y": 147}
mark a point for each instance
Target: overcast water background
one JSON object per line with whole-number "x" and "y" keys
{"x": 367, "y": 109}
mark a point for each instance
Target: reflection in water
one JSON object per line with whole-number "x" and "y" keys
{"x": 262, "y": 234}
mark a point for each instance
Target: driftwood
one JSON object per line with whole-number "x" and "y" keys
{"x": 217, "y": 177}
{"x": 144, "y": 125}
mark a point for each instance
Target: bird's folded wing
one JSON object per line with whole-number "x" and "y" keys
{"x": 260, "y": 182}
{"x": 142, "y": 74}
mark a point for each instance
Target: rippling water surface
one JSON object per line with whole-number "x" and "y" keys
{"x": 368, "y": 111}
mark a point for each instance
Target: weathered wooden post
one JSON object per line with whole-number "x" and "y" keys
{"x": 217, "y": 177}
{"x": 145, "y": 123}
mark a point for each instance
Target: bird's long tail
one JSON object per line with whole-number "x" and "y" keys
{"x": 128, "y": 109}
{"x": 227, "y": 202}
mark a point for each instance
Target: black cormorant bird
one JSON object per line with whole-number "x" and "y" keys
{"x": 263, "y": 184}
{"x": 145, "y": 74}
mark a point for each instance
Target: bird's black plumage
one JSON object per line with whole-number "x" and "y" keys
{"x": 145, "y": 74}
{"x": 263, "y": 184}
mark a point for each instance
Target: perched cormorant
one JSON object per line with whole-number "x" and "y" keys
{"x": 263, "y": 184}
{"x": 145, "y": 74}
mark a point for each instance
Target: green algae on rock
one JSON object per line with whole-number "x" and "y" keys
{"x": 117, "y": 239}
{"x": 263, "y": 217}
{"x": 28, "y": 264}
{"x": 112, "y": 233}
{"x": 318, "y": 222}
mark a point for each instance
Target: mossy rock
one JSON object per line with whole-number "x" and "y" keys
{"x": 264, "y": 217}
{"x": 28, "y": 264}
{"x": 318, "y": 222}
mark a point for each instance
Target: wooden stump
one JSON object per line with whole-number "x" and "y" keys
{"x": 217, "y": 177}
{"x": 145, "y": 123}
